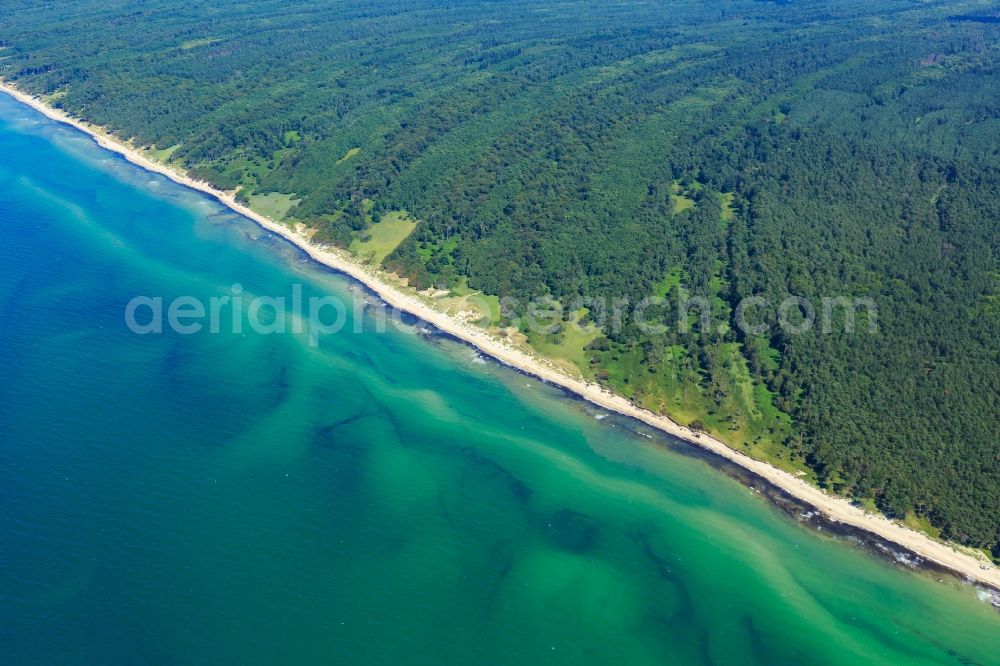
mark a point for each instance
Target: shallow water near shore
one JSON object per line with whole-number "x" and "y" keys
{"x": 380, "y": 498}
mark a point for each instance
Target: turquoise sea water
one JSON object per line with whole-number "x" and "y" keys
{"x": 380, "y": 498}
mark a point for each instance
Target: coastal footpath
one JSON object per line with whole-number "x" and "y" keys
{"x": 967, "y": 564}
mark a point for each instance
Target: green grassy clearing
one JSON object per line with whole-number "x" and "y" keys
{"x": 163, "y": 155}
{"x": 680, "y": 199}
{"x": 384, "y": 236}
{"x": 669, "y": 284}
{"x": 273, "y": 205}
{"x": 195, "y": 43}
{"x": 726, "y": 199}
{"x": 569, "y": 343}
{"x": 348, "y": 155}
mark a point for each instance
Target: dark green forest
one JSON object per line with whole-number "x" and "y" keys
{"x": 586, "y": 148}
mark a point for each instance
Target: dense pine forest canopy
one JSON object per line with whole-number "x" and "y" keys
{"x": 816, "y": 148}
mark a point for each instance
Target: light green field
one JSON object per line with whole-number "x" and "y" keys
{"x": 487, "y": 305}
{"x": 348, "y": 155}
{"x": 194, "y": 43}
{"x": 726, "y": 199}
{"x": 274, "y": 205}
{"x": 681, "y": 202}
{"x": 463, "y": 297}
{"x": 379, "y": 240}
{"x": 569, "y": 344}
{"x": 921, "y": 524}
{"x": 163, "y": 155}
{"x": 56, "y": 96}
{"x": 669, "y": 283}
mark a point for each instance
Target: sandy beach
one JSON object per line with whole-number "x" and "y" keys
{"x": 966, "y": 564}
